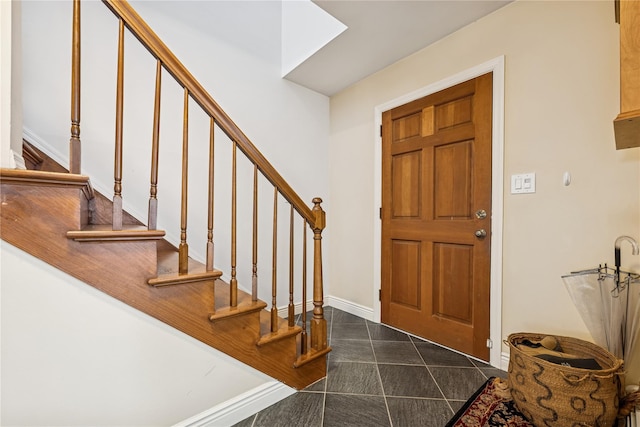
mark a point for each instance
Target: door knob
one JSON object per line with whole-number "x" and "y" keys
{"x": 481, "y": 214}
{"x": 482, "y": 233}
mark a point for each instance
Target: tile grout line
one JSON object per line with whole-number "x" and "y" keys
{"x": 432, "y": 377}
{"x": 326, "y": 377}
{"x": 375, "y": 358}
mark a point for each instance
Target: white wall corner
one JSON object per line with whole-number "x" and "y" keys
{"x": 6, "y": 158}
{"x": 240, "y": 407}
{"x": 306, "y": 28}
{"x": 11, "y": 86}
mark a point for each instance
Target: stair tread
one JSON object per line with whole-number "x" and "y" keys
{"x": 284, "y": 330}
{"x": 168, "y": 262}
{"x": 195, "y": 274}
{"x": 243, "y": 307}
{"x": 104, "y": 232}
{"x": 223, "y": 310}
{"x": 310, "y": 356}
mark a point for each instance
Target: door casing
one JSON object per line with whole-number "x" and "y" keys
{"x": 497, "y": 183}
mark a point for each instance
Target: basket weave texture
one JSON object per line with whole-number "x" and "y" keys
{"x": 553, "y": 395}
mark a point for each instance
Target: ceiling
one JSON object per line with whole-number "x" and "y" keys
{"x": 379, "y": 32}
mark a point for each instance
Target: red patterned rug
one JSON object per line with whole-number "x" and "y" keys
{"x": 490, "y": 406}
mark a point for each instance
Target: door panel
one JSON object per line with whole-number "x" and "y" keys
{"x": 452, "y": 282}
{"x": 436, "y": 168}
{"x": 452, "y": 187}
{"x": 406, "y": 185}
{"x": 406, "y": 269}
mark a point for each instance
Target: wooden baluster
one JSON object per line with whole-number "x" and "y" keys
{"x": 254, "y": 262}
{"x": 210, "y": 247}
{"x": 74, "y": 141}
{"x": 183, "y": 248}
{"x": 117, "y": 168}
{"x": 292, "y": 309}
{"x": 303, "y": 335}
{"x": 210, "y": 244}
{"x": 233, "y": 292}
{"x": 155, "y": 148}
{"x": 274, "y": 266}
{"x": 318, "y": 323}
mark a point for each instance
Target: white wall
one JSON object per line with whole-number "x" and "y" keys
{"x": 10, "y": 86}
{"x": 289, "y": 124}
{"x": 73, "y": 356}
{"x": 561, "y": 95}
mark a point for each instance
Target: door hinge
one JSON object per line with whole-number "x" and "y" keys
{"x": 489, "y": 343}
{"x": 380, "y": 131}
{"x": 379, "y": 294}
{"x": 380, "y": 213}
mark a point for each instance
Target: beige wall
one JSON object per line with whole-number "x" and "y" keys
{"x": 561, "y": 95}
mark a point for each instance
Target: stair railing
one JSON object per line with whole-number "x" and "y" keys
{"x": 314, "y": 217}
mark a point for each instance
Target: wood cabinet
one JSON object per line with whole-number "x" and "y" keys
{"x": 627, "y": 124}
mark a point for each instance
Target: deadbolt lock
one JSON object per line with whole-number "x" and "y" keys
{"x": 481, "y": 214}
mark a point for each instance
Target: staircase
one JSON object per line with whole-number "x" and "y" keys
{"x": 59, "y": 218}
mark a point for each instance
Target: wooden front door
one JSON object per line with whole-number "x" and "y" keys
{"x": 436, "y": 216}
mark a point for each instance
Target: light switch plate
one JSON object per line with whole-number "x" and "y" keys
{"x": 523, "y": 183}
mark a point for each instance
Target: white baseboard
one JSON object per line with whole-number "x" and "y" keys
{"x": 45, "y": 147}
{"x": 284, "y": 311}
{"x": 504, "y": 361}
{"x": 18, "y": 160}
{"x": 240, "y": 407}
{"x": 349, "y": 307}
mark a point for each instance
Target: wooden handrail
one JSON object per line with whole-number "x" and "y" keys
{"x": 160, "y": 51}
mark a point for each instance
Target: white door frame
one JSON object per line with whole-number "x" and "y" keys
{"x": 497, "y": 176}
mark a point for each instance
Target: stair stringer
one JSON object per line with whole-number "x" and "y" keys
{"x": 38, "y": 212}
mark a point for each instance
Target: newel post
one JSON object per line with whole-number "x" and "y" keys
{"x": 318, "y": 322}
{"x": 74, "y": 141}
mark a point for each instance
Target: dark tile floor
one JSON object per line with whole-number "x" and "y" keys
{"x": 378, "y": 376}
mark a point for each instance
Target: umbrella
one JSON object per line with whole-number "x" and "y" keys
{"x": 608, "y": 301}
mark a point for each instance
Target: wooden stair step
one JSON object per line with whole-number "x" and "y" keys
{"x": 196, "y": 274}
{"x": 283, "y": 331}
{"x": 168, "y": 274}
{"x": 224, "y": 311}
{"x": 310, "y": 356}
{"x": 241, "y": 309}
{"x": 104, "y": 233}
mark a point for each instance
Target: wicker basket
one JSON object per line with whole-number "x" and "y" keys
{"x": 550, "y": 394}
